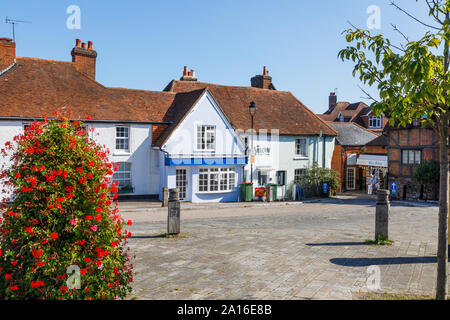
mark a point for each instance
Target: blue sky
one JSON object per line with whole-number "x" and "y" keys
{"x": 145, "y": 44}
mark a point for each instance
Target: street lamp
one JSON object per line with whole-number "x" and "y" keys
{"x": 252, "y": 108}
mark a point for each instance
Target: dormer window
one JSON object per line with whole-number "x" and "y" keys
{"x": 206, "y": 138}
{"x": 374, "y": 122}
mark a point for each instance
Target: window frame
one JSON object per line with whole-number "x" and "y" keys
{"x": 377, "y": 121}
{"x": 216, "y": 180}
{"x": 119, "y": 150}
{"x": 298, "y": 176}
{"x": 406, "y": 157}
{"x": 298, "y": 152}
{"x": 130, "y": 179}
{"x": 199, "y": 129}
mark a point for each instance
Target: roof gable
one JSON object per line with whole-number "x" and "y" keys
{"x": 203, "y": 111}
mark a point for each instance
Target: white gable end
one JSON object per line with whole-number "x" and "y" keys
{"x": 205, "y": 113}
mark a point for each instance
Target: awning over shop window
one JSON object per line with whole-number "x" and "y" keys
{"x": 372, "y": 160}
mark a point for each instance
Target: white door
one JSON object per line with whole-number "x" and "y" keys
{"x": 350, "y": 178}
{"x": 182, "y": 183}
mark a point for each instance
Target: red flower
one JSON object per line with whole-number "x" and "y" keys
{"x": 8, "y": 276}
{"x": 89, "y": 175}
{"x": 63, "y": 288}
{"x": 13, "y": 288}
{"x": 130, "y": 279}
{"x": 28, "y": 229}
{"x": 37, "y": 284}
{"x": 60, "y": 278}
{"x": 83, "y": 271}
{"x": 79, "y": 169}
{"x": 129, "y": 222}
{"x": 82, "y": 180}
{"x": 60, "y": 199}
{"x": 37, "y": 253}
{"x": 54, "y": 235}
{"x": 88, "y": 218}
{"x": 14, "y": 263}
{"x": 98, "y": 217}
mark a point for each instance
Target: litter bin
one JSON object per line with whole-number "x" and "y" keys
{"x": 246, "y": 190}
{"x": 273, "y": 188}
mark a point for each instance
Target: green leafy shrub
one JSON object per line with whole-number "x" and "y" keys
{"x": 61, "y": 218}
{"x": 428, "y": 174}
{"x": 316, "y": 176}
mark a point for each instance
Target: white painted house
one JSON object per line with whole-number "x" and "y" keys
{"x": 192, "y": 135}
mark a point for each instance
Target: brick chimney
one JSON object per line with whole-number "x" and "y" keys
{"x": 332, "y": 100}
{"x": 263, "y": 81}
{"x": 84, "y": 58}
{"x": 188, "y": 75}
{"x": 7, "y": 53}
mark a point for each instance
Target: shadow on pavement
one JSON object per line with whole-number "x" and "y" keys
{"x": 365, "y": 262}
{"x": 335, "y": 244}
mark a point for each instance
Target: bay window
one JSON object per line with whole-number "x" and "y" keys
{"x": 216, "y": 180}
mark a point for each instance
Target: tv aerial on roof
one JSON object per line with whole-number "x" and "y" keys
{"x": 14, "y": 22}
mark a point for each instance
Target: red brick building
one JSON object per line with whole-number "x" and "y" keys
{"x": 408, "y": 147}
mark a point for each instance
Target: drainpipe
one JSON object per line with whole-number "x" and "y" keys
{"x": 324, "y": 150}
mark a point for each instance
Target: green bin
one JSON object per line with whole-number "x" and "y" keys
{"x": 274, "y": 191}
{"x": 246, "y": 190}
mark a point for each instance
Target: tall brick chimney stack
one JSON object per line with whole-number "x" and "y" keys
{"x": 332, "y": 100}
{"x": 7, "y": 53}
{"x": 263, "y": 81}
{"x": 84, "y": 58}
{"x": 188, "y": 75}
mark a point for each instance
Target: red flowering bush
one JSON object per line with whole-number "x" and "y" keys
{"x": 61, "y": 218}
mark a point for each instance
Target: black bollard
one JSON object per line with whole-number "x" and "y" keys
{"x": 382, "y": 215}
{"x": 173, "y": 218}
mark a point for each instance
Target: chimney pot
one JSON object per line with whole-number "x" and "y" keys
{"x": 78, "y": 43}
{"x": 90, "y": 45}
{"x": 185, "y": 71}
{"x": 83, "y": 45}
{"x": 265, "y": 72}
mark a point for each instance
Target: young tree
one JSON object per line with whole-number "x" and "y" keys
{"x": 412, "y": 80}
{"x": 60, "y": 219}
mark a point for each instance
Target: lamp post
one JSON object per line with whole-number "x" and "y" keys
{"x": 252, "y": 108}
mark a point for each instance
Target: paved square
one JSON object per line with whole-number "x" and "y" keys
{"x": 281, "y": 251}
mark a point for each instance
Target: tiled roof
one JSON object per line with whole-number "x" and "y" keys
{"x": 350, "y": 111}
{"x": 381, "y": 140}
{"x": 36, "y": 87}
{"x": 351, "y": 134}
{"x": 276, "y": 109}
